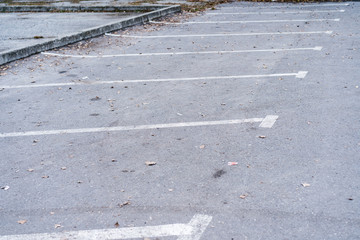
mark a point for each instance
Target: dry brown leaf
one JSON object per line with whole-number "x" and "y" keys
{"x": 63, "y": 168}
{"x": 202, "y": 146}
{"x": 57, "y": 226}
{"x": 22, "y": 221}
{"x": 30, "y": 170}
{"x": 243, "y": 196}
{"x": 150, "y": 163}
{"x": 262, "y": 136}
{"x": 117, "y": 224}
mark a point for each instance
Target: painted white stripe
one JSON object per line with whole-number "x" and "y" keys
{"x": 199, "y": 225}
{"x": 219, "y": 34}
{"x": 291, "y": 5}
{"x": 269, "y": 121}
{"x": 252, "y": 21}
{"x": 280, "y": 12}
{"x": 300, "y": 74}
{"x": 318, "y": 48}
{"x": 130, "y": 128}
{"x": 191, "y": 231}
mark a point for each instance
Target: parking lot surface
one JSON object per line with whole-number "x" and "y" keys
{"x": 237, "y": 123}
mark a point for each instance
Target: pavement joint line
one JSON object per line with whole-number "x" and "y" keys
{"x": 190, "y": 231}
{"x": 250, "y": 21}
{"x": 296, "y": 6}
{"x": 300, "y": 74}
{"x": 219, "y": 34}
{"x": 266, "y": 122}
{"x": 280, "y": 12}
{"x": 15, "y": 54}
{"x": 318, "y": 48}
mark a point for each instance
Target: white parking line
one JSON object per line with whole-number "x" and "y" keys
{"x": 300, "y": 74}
{"x": 219, "y": 34}
{"x": 142, "y": 127}
{"x": 252, "y": 21}
{"x": 318, "y": 48}
{"x": 191, "y": 231}
{"x": 279, "y": 12}
{"x": 292, "y": 5}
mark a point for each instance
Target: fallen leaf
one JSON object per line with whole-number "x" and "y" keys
{"x": 30, "y": 170}
{"x": 202, "y": 146}
{"x": 5, "y": 188}
{"x": 45, "y": 177}
{"x": 52, "y": 213}
{"x": 57, "y": 226}
{"x": 150, "y": 163}
{"x": 63, "y": 168}
{"x": 123, "y": 204}
{"x": 243, "y": 196}
{"x": 232, "y": 163}
{"x": 305, "y": 184}
{"x": 22, "y": 221}
{"x": 117, "y": 224}
{"x": 261, "y": 136}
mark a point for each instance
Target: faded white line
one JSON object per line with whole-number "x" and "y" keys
{"x": 290, "y": 6}
{"x": 134, "y": 127}
{"x": 219, "y": 34}
{"x": 251, "y": 21}
{"x": 300, "y": 74}
{"x": 318, "y": 48}
{"x": 269, "y": 121}
{"x": 199, "y": 225}
{"x": 279, "y": 12}
{"x": 191, "y": 231}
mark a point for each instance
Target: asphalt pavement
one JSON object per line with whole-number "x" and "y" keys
{"x": 238, "y": 123}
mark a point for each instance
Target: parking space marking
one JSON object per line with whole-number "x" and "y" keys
{"x": 280, "y": 12}
{"x": 142, "y": 127}
{"x": 317, "y": 48}
{"x": 300, "y": 74}
{"x": 252, "y": 21}
{"x": 295, "y": 6}
{"x": 191, "y": 231}
{"x": 219, "y": 34}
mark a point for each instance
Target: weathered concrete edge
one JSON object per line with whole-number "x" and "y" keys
{"x": 79, "y": 8}
{"x": 12, "y": 55}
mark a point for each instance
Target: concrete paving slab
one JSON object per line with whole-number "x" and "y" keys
{"x": 35, "y": 29}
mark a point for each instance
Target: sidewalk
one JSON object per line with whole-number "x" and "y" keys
{"x": 30, "y": 29}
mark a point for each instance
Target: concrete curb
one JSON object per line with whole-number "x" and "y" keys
{"x": 12, "y": 55}
{"x": 79, "y": 8}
